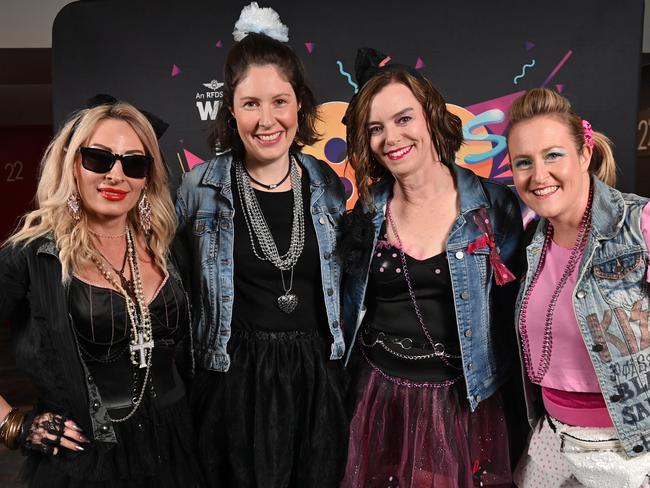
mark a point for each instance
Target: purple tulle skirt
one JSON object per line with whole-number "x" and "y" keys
{"x": 414, "y": 435}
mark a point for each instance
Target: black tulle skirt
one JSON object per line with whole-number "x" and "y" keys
{"x": 156, "y": 448}
{"x": 277, "y": 418}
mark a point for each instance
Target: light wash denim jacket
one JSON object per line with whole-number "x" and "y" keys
{"x": 205, "y": 212}
{"x": 484, "y": 311}
{"x": 611, "y": 305}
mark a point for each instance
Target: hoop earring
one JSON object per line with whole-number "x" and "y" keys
{"x": 232, "y": 123}
{"x": 74, "y": 206}
{"x": 144, "y": 210}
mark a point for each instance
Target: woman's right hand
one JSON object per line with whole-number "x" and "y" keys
{"x": 48, "y": 432}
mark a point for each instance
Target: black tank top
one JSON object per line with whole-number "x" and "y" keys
{"x": 390, "y": 310}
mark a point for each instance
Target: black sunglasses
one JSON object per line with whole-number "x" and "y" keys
{"x": 101, "y": 161}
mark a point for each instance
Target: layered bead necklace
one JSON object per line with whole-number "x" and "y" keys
{"x": 262, "y": 241}
{"x": 537, "y": 374}
{"x": 141, "y": 344}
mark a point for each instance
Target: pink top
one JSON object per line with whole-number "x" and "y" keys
{"x": 570, "y": 383}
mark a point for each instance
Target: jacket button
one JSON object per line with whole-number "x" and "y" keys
{"x": 460, "y": 255}
{"x": 477, "y": 398}
{"x": 638, "y": 448}
{"x": 330, "y": 292}
{"x": 468, "y": 333}
{"x": 335, "y": 324}
{"x": 96, "y": 405}
{"x": 597, "y": 347}
{"x": 104, "y": 429}
{"x": 321, "y": 221}
{"x": 465, "y": 295}
{"x": 327, "y": 255}
{"x": 469, "y": 367}
{"x": 90, "y": 378}
{"x": 580, "y": 294}
{"x": 616, "y": 398}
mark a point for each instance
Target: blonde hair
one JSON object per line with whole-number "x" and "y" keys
{"x": 542, "y": 101}
{"x": 57, "y": 184}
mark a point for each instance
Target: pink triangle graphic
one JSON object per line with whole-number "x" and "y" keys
{"x": 309, "y": 46}
{"x": 218, "y": 44}
{"x": 529, "y": 45}
{"x": 419, "y": 64}
{"x": 176, "y": 70}
{"x": 559, "y": 88}
{"x": 192, "y": 159}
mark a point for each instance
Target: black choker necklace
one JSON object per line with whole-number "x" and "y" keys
{"x": 272, "y": 186}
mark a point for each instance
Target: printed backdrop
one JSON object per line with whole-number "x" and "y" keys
{"x": 167, "y": 57}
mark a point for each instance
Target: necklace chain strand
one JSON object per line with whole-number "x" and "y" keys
{"x": 141, "y": 344}
{"x": 272, "y": 185}
{"x": 258, "y": 229}
{"x": 537, "y": 374}
{"x": 443, "y": 356}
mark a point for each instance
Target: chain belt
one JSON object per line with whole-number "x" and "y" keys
{"x": 384, "y": 340}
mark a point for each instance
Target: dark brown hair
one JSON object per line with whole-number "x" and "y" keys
{"x": 446, "y": 129}
{"x": 542, "y": 101}
{"x": 259, "y": 49}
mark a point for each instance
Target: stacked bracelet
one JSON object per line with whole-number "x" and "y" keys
{"x": 11, "y": 427}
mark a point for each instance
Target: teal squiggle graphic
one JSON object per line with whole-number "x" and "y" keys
{"x": 347, "y": 75}
{"x": 523, "y": 71}
{"x": 485, "y": 118}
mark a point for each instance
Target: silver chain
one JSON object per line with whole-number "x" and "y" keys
{"x": 258, "y": 229}
{"x": 400, "y": 249}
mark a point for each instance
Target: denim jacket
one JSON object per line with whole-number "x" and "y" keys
{"x": 205, "y": 211}
{"x": 484, "y": 311}
{"x": 611, "y": 306}
{"x": 36, "y": 302}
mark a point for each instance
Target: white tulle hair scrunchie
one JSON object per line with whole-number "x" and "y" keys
{"x": 261, "y": 20}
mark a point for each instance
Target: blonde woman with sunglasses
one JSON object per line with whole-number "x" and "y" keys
{"x": 98, "y": 313}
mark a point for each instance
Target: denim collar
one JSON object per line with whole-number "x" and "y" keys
{"x": 217, "y": 173}
{"x": 470, "y": 190}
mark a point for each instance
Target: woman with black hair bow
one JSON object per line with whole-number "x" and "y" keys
{"x": 429, "y": 249}
{"x": 99, "y": 315}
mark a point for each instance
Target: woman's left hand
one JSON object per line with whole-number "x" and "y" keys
{"x": 48, "y": 432}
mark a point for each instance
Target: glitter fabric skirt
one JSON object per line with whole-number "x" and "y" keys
{"x": 277, "y": 417}
{"x": 408, "y": 435}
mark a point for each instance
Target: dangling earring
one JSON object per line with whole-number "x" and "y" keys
{"x": 74, "y": 206}
{"x": 144, "y": 208}
{"x": 232, "y": 123}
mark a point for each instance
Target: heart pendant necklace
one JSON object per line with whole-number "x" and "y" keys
{"x": 289, "y": 301}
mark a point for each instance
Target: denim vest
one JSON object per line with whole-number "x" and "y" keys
{"x": 610, "y": 302}
{"x": 483, "y": 309}
{"x": 205, "y": 211}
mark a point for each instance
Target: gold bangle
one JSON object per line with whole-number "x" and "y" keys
{"x": 4, "y": 420}
{"x": 11, "y": 430}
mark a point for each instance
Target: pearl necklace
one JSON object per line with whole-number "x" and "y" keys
{"x": 141, "y": 344}
{"x": 537, "y": 375}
